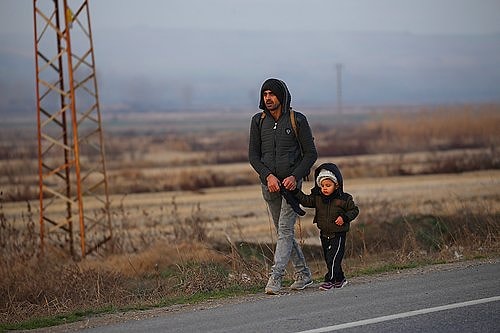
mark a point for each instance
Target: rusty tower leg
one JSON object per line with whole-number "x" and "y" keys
{"x": 72, "y": 167}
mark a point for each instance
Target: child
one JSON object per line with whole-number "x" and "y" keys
{"x": 334, "y": 210}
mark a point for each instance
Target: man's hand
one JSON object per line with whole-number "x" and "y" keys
{"x": 290, "y": 183}
{"x": 273, "y": 183}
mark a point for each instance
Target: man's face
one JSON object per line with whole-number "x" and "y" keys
{"x": 272, "y": 102}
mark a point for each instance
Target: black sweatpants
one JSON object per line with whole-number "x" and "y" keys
{"x": 333, "y": 252}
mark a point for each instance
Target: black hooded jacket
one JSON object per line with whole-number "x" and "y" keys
{"x": 328, "y": 208}
{"x": 273, "y": 147}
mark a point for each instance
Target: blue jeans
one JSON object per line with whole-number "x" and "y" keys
{"x": 287, "y": 247}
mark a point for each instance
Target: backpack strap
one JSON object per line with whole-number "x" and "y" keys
{"x": 294, "y": 123}
{"x": 262, "y": 116}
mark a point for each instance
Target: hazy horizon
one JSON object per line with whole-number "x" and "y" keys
{"x": 157, "y": 55}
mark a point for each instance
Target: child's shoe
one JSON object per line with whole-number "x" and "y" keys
{"x": 326, "y": 286}
{"x": 340, "y": 284}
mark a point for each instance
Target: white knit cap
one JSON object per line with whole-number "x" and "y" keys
{"x": 326, "y": 174}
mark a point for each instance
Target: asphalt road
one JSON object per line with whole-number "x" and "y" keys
{"x": 446, "y": 299}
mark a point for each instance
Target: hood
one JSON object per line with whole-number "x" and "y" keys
{"x": 279, "y": 88}
{"x": 336, "y": 171}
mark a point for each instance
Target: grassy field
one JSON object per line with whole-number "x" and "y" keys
{"x": 189, "y": 221}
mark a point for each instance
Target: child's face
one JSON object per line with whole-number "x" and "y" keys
{"x": 327, "y": 186}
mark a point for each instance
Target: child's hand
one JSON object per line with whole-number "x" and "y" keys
{"x": 339, "y": 221}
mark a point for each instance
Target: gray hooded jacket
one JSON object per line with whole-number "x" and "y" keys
{"x": 273, "y": 146}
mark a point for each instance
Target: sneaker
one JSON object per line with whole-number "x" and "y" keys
{"x": 326, "y": 286}
{"x": 302, "y": 281}
{"x": 273, "y": 285}
{"x": 340, "y": 284}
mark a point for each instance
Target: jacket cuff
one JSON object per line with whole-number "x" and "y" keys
{"x": 263, "y": 176}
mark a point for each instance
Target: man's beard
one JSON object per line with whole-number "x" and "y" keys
{"x": 273, "y": 107}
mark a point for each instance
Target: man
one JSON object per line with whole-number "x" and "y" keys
{"x": 282, "y": 153}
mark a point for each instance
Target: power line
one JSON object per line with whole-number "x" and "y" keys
{"x": 338, "y": 67}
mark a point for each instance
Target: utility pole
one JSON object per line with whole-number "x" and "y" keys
{"x": 71, "y": 165}
{"x": 338, "y": 67}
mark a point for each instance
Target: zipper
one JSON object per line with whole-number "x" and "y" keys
{"x": 275, "y": 148}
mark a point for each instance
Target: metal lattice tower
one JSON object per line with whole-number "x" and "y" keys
{"x": 71, "y": 164}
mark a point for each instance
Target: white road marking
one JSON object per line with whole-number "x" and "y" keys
{"x": 402, "y": 315}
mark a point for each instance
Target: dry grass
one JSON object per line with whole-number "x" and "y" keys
{"x": 425, "y": 141}
{"x": 436, "y": 129}
{"x": 180, "y": 230}
{"x": 170, "y": 248}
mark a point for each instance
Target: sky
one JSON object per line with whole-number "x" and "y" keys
{"x": 392, "y": 51}
{"x": 419, "y": 17}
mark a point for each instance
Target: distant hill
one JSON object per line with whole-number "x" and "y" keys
{"x": 151, "y": 69}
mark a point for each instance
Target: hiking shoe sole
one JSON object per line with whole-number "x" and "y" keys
{"x": 308, "y": 283}
{"x": 271, "y": 292}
